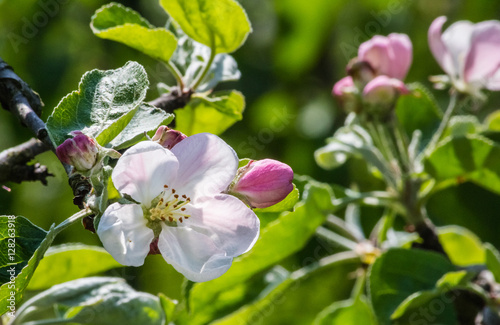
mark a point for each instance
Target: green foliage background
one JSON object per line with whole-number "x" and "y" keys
{"x": 297, "y": 50}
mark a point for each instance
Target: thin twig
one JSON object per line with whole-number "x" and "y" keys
{"x": 14, "y": 163}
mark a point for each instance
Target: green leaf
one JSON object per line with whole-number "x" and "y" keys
{"x": 168, "y": 306}
{"x": 219, "y": 24}
{"x": 347, "y": 312}
{"x": 419, "y": 111}
{"x": 102, "y": 106}
{"x": 118, "y": 302}
{"x": 286, "y": 205}
{"x": 191, "y": 57}
{"x": 461, "y": 245}
{"x": 441, "y": 296}
{"x": 472, "y": 157}
{"x": 119, "y": 23}
{"x": 210, "y": 114}
{"x": 146, "y": 119}
{"x": 24, "y": 276}
{"x": 69, "y": 262}
{"x": 19, "y": 239}
{"x": 286, "y": 235}
{"x": 492, "y": 121}
{"x": 462, "y": 125}
{"x": 492, "y": 260}
{"x": 399, "y": 273}
{"x": 325, "y": 279}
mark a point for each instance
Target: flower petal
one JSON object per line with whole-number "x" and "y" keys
{"x": 456, "y": 38}
{"x": 207, "y": 165}
{"x": 376, "y": 52}
{"x": 401, "y": 55}
{"x": 439, "y": 48}
{"x": 233, "y": 227}
{"x": 143, "y": 170}
{"x": 483, "y": 60}
{"x": 192, "y": 253}
{"x": 124, "y": 234}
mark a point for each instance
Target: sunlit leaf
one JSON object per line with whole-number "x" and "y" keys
{"x": 119, "y": 23}
{"x": 102, "y": 106}
{"x": 212, "y": 114}
{"x": 347, "y": 312}
{"x": 219, "y": 24}
{"x": 69, "y": 262}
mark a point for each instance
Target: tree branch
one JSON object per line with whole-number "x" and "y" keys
{"x": 172, "y": 101}
{"x": 13, "y": 163}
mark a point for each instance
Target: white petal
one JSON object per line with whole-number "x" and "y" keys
{"x": 483, "y": 60}
{"x": 207, "y": 165}
{"x": 457, "y": 40}
{"x": 233, "y": 227}
{"x": 192, "y": 253}
{"x": 143, "y": 170}
{"x": 124, "y": 234}
{"x": 439, "y": 48}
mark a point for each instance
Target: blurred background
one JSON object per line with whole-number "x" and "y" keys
{"x": 297, "y": 50}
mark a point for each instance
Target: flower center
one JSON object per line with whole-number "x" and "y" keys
{"x": 171, "y": 207}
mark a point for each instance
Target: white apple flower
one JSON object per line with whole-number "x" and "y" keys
{"x": 179, "y": 207}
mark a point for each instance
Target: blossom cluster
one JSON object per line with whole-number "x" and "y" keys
{"x": 185, "y": 198}
{"x": 467, "y": 52}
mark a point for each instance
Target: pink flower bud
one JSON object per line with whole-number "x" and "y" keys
{"x": 347, "y": 94}
{"x": 81, "y": 152}
{"x": 383, "y": 90}
{"x": 167, "y": 137}
{"x": 263, "y": 182}
{"x": 390, "y": 56}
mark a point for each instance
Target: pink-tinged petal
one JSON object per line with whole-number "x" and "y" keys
{"x": 264, "y": 182}
{"x": 233, "y": 227}
{"x": 483, "y": 59}
{"x": 124, "y": 234}
{"x": 143, "y": 170}
{"x": 401, "y": 55}
{"x": 376, "y": 52}
{"x": 456, "y": 38}
{"x": 439, "y": 48}
{"x": 207, "y": 165}
{"x": 192, "y": 253}
{"x": 383, "y": 90}
{"x": 343, "y": 86}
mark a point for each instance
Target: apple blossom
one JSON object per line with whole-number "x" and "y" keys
{"x": 263, "y": 183}
{"x": 383, "y": 90}
{"x": 468, "y": 53}
{"x": 178, "y": 206}
{"x": 81, "y": 152}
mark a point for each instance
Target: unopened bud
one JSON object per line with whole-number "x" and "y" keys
{"x": 167, "y": 137}
{"x": 263, "y": 183}
{"x": 81, "y": 152}
{"x": 383, "y": 91}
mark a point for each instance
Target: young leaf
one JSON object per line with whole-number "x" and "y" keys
{"x": 210, "y": 114}
{"x": 19, "y": 239}
{"x": 119, "y": 23}
{"x": 462, "y": 246}
{"x": 24, "y": 275}
{"x": 221, "y": 25}
{"x": 492, "y": 260}
{"x": 399, "y": 273}
{"x": 147, "y": 118}
{"x": 471, "y": 157}
{"x": 69, "y": 262}
{"x": 117, "y": 302}
{"x": 352, "y": 311}
{"x": 102, "y": 106}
